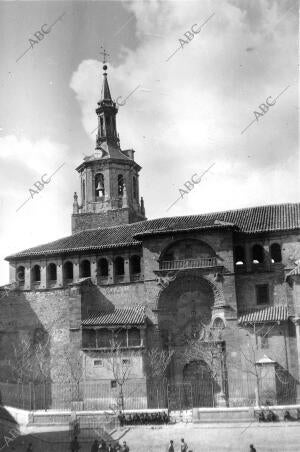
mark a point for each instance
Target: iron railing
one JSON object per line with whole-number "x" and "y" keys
{"x": 139, "y": 395}
{"x": 202, "y": 262}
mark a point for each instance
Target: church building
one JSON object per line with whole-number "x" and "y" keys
{"x": 199, "y": 310}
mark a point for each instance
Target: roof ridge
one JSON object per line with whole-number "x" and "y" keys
{"x": 250, "y": 220}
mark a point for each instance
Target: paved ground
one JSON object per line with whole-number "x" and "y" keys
{"x": 200, "y": 438}
{"x": 218, "y": 437}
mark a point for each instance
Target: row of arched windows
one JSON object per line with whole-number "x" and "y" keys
{"x": 84, "y": 269}
{"x": 258, "y": 254}
{"x": 100, "y": 189}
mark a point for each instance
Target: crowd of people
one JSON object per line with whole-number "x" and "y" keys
{"x": 266, "y": 416}
{"x": 143, "y": 419}
{"x": 100, "y": 446}
{"x": 103, "y": 447}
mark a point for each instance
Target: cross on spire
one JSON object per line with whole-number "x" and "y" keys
{"x": 104, "y": 54}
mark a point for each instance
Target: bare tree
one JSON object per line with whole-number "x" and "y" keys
{"x": 31, "y": 354}
{"x": 120, "y": 365}
{"x": 21, "y": 361}
{"x": 157, "y": 362}
{"x": 249, "y": 354}
{"x": 68, "y": 370}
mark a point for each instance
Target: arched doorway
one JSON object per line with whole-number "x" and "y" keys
{"x": 184, "y": 316}
{"x": 198, "y": 374}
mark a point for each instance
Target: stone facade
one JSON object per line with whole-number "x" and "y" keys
{"x": 221, "y": 296}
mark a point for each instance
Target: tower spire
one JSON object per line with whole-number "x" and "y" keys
{"x": 107, "y": 136}
{"x": 105, "y": 92}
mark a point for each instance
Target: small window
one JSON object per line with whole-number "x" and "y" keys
{"x": 99, "y": 185}
{"x": 239, "y": 255}
{"x": 120, "y": 185}
{"x": 101, "y": 126}
{"x": 85, "y": 269}
{"x": 52, "y": 272}
{"x": 275, "y": 253}
{"x": 135, "y": 191}
{"x": 126, "y": 361}
{"x": 103, "y": 268}
{"x": 36, "y": 274}
{"x": 20, "y": 274}
{"x": 68, "y": 270}
{"x": 98, "y": 363}
{"x": 119, "y": 266}
{"x": 113, "y": 384}
{"x": 135, "y": 265}
{"x": 257, "y": 254}
{"x": 262, "y": 294}
{"x": 83, "y": 192}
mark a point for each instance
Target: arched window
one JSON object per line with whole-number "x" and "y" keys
{"x": 83, "y": 191}
{"x": 36, "y": 274}
{"x": 20, "y": 276}
{"x": 135, "y": 265}
{"x": 68, "y": 270}
{"x": 51, "y": 272}
{"x": 218, "y": 323}
{"x": 275, "y": 253}
{"x": 257, "y": 254}
{"x": 134, "y": 186}
{"x": 239, "y": 255}
{"x": 103, "y": 268}
{"x": 85, "y": 269}
{"x": 119, "y": 266}
{"x": 120, "y": 185}
{"x": 101, "y": 126}
{"x": 99, "y": 185}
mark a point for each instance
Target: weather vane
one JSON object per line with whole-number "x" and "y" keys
{"x": 104, "y": 54}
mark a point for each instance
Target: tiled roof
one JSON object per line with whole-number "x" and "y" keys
{"x": 269, "y": 314}
{"x": 280, "y": 217}
{"x": 128, "y": 316}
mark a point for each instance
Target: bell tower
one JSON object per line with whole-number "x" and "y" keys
{"x": 109, "y": 178}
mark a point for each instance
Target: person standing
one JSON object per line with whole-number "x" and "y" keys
{"x": 95, "y": 446}
{"x": 125, "y": 448}
{"x": 183, "y": 446}
{"x": 252, "y": 448}
{"x": 171, "y": 446}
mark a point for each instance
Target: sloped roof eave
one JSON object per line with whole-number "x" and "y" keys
{"x": 249, "y": 221}
{"x": 270, "y": 314}
{"x": 134, "y": 316}
{"x": 70, "y": 250}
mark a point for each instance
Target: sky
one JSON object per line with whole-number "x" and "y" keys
{"x": 194, "y": 96}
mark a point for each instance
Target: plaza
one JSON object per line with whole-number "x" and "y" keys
{"x": 235, "y": 437}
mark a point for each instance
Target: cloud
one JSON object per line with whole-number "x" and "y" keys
{"x": 191, "y": 110}
{"x": 45, "y": 215}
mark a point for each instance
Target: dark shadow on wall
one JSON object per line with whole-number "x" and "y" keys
{"x": 93, "y": 300}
